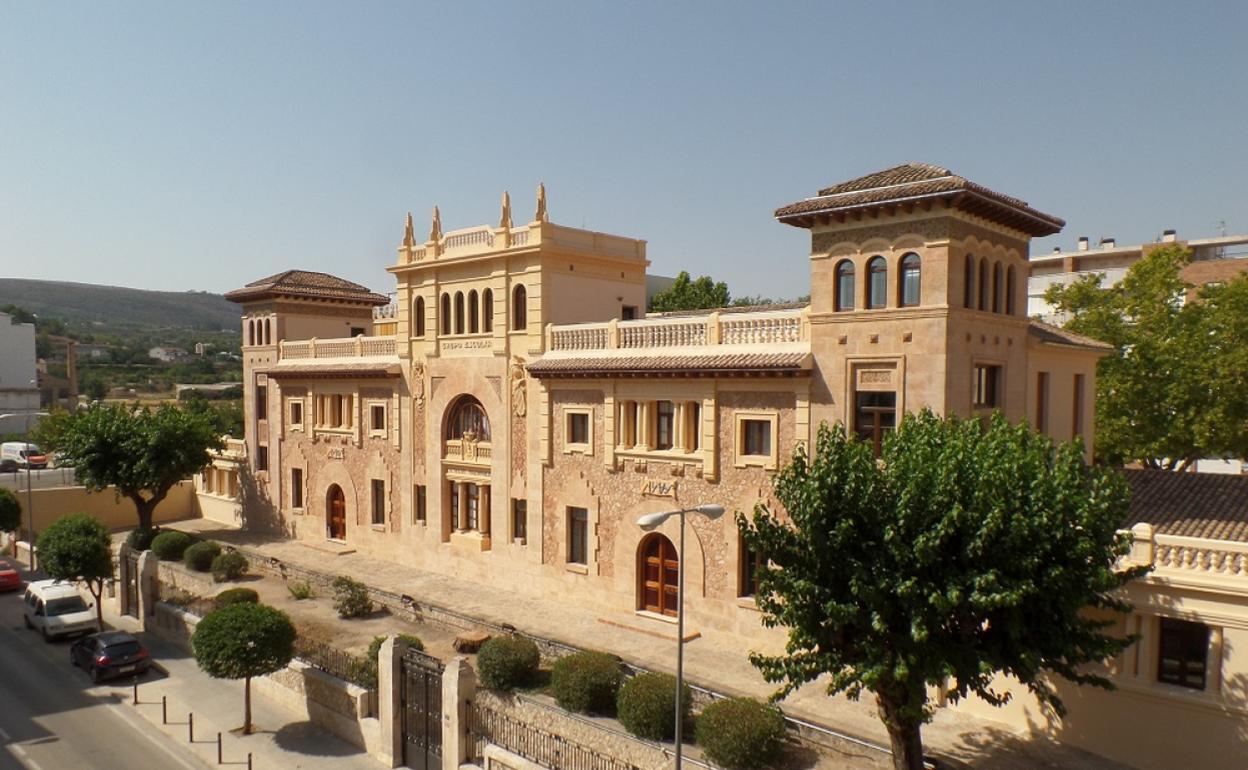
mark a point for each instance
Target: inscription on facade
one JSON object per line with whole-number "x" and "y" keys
{"x": 876, "y": 376}
{"x": 336, "y": 453}
{"x": 467, "y": 344}
{"x": 658, "y": 487}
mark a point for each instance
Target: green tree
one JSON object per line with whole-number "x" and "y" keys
{"x": 961, "y": 552}
{"x": 76, "y": 547}
{"x": 10, "y": 511}
{"x": 1172, "y": 392}
{"x": 142, "y": 452}
{"x": 689, "y": 294}
{"x": 241, "y": 641}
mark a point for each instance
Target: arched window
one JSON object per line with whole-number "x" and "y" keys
{"x": 459, "y": 312}
{"x": 418, "y": 310}
{"x": 911, "y": 273}
{"x": 487, "y": 311}
{"x": 474, "y": 313}
{"x": 658, "y": 575}
{"x": 996, "y": 287}
{"x": 1009, "y": 290}
{"x": 877, "y": 283}
{"x": 519, "y": 309}
{"x": 268, "y": 332}
{"x": 335, "y": 513}
{"x": 251, "y": 332}
{"x": 845, "y": 285}
{"x": 467, "y": 415}
{"x": 983, "y": 284}
{"x": 446, "y": 313}
{"x": 968, "y": 284}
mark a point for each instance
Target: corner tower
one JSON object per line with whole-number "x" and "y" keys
{"x": 918, "y": 296}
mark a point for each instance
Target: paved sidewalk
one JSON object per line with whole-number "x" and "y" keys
{"x": 283, "y": 739}
{"x": 714, "y": 660}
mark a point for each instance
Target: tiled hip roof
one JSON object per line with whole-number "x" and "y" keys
{"x": 1207, "y": 505}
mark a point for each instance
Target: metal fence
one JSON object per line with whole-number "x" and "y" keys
{"x": 487, "y": 726}
{"x": 355, "y": 669}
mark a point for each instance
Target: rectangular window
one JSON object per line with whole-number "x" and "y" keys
{"x": 875, "y": 416}
{"x": 629, "y": 313}
{"x": 453, "y": 499}
{"x": 379, "y": 501}
{"x": 987, "y": 386}
{"x": 578, "y": 535}
{"x": 664, "y": 424}
{"x": 474, "y": 506}
{"x": 756, "y": 438}
{"x": 749, "y": 564}
{"x": 578, "y": 428}
{"x": 262, "y": 403}
{"x": 519, "y": 519}
{"x": 1183, "y": 653}
{"x": 357, "y": 331}
{"x": 378, "y": 412}
{"x": 421, "y": 511}
{"x": 1042, "y": 402}
{"x": 1076, "y": 404}
{"x": 262, "y": 458}
{"x": 296, "y": 413}
{"x": 296, "y": 487}
{"x": 693, "y": 426}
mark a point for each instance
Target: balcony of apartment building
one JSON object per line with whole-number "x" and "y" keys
{"x": 359, "y": 356}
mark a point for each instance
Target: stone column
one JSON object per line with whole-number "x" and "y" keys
{"x": 123, "y": 577}
{"x": 483, "y": 509}
{"x": 148, "y": 566}
{"x": 389, "y": 701}
{"x": 643, "y": 425}
{"x": 461, "y": 515}
{"x": 678, "y": 425}
{"x": 459, "y": 686}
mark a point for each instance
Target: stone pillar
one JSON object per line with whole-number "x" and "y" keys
{"x": 461, "y": 515}
{"x": 389, "y": 701}
{"x": 123, "y": 577}
{"x": 148, "y": 567}
{"x": 678, "y": 425}
{"x": 483, "y": 509}
{"x": 459, "y": 686}
{"x": 643, "y": 425}
{"x": 1213, "y": 682}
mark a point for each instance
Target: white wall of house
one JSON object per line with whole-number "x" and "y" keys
{"x": 19, "y": 394}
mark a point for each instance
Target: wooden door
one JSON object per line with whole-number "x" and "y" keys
{"x": 337, "y": 514}
{"x": 659, "y": 576}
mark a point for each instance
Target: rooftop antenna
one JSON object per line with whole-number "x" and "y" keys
{"x": 1222, "y": 227}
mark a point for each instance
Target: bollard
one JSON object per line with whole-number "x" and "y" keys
{"x": 218, "y": 748}
{"x": 249, "y": 760}
{"x": 164, "y": 710}
{"x": 190, "y": 727}
{"x": 136, "y": 692}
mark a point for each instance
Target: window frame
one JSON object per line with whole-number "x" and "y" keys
{"x": 373, "y": 430}
{"x": 1171, "y": 631}
{"x": 844, "y": 281}
{"x": 294, "y": 405}
{"x": 418, "y": 317}
{"x": 911, "y": 263}
{"x": 748, "y": 564}
{"x": 519, "y": 520}
{"x": 572, "y": 415}
{"x": 768, "y": 461}
{"x": 877, "y": 265}
{"x": 577, "y": 523}
{"x": 420, "y": 507}
{"x": 987, "y": 391}
{"x": 664, "y": 419}
{"x": 377, "y": 498}
{"x": 297, "y": 496}
{"x": 519, "y": 308}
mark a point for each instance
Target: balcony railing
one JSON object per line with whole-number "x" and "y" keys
{"x": 1178, "y": 557}
{"x": 349, "y": 347}
{"x": 463, "y": 450}
{"x": 764, "y": 327}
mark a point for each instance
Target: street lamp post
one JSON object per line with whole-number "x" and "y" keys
{"x": 651, "y": 521}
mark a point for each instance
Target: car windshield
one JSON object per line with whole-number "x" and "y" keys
{"x": 31, "y": 451}
{"x": 122, "y": 649}
{"x": 65, "y": 606}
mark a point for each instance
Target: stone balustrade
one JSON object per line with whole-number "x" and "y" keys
{"x": 386, "y": 312}
{"x": 348, "y": 347}
{"x": 764, "y": 327}
{"x": 1177, "y": 556}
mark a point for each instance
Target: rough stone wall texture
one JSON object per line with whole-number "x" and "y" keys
{"x": 173, "y": 575}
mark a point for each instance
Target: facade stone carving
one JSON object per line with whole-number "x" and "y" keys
{"x": 932, "y": 229}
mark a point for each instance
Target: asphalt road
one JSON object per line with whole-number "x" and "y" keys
{"x": 41, "y": 479}
{"x": 52, "y": 717}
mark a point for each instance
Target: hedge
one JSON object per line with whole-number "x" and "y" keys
{"x": 230, "y": 565}
{"x": 504, "y": 662}
{"x": 169, "y": 546}
{"x": 588, "y": 682}
{"x": 200, "y": 555}
{"x": 647, "y": 703}
{"x": 236, "y": 596}
{"x": 740, "y": 733}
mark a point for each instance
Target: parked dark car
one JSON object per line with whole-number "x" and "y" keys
{"x": 109, "y": 654}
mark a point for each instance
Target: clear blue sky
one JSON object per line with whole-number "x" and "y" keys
{"x": 200, "y": 146}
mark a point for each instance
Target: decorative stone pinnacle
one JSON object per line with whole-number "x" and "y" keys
{"x": 435, "y": 230}
{"x": 409, "y": 232}
{"x": 541, "y": 215}
{"x": 505, "y": 221}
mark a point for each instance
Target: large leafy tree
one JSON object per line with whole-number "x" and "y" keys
{"x": 961, "y": 552}
{"x": 10, "y": 511}
{"x": 1173, "y": 391}
{"x": 76, "y": 547}
{"x": 240, "y": 641}
{"x": 140, "y": 451}
{"x": 690, "y": 294}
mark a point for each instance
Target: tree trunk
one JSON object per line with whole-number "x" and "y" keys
{"x": 904, "y": 736}
{"x": 96, "y": 588}
{"x": 247, "y": 706}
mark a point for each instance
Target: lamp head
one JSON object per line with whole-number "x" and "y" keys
{"x": 652, "y": 520}
{"x": 710, "y": 510}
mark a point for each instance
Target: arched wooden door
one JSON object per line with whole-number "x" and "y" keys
{"x": 336, "y": 513}
{"x": 658, "y": 575}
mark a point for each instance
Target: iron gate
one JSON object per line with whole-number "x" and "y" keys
{"x": 420, "y": 699}
{"x": 132, "y": 584}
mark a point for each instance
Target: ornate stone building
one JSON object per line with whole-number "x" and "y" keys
{"x": 514, "y": 411}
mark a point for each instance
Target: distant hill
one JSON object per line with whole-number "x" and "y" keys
{"x": 114, "y": 309}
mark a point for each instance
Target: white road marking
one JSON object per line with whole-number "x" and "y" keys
{"x": 143, "y": 730}
{"x": 24, "y": 758}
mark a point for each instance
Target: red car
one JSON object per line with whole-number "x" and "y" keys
{"x": 9, "y": 579}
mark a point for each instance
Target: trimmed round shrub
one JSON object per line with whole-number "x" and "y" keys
{"x": 200, "y": 555}
{"x": 351, "y": 598}
{"x": 647, "y": 703}
{"x": 740, "y": 733}
{"x": 504, "y": 662}
{"x": 169, "y": 546}
{"x": 230, "y": 565}
{"x": 588, "y": 682}
{"x": 141, "y": 539}
{"x": 236, "y": 596}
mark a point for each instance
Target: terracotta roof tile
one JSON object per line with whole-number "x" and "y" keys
{"x": 305, "y": 283}
{"x": 1059, "y": 336}
{"x": 920, "y": 180}
{"x": 683, "y": 364}
{"x": 1209, "y": 505}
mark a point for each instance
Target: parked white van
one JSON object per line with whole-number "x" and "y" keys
{"x": 19, "y": 454}
{"x": 57, "y": 609}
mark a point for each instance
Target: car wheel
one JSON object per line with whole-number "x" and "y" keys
{"x": 95, "y": 675}
{"x": 44, "y": 631}
{"x": 26, "y": 620}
